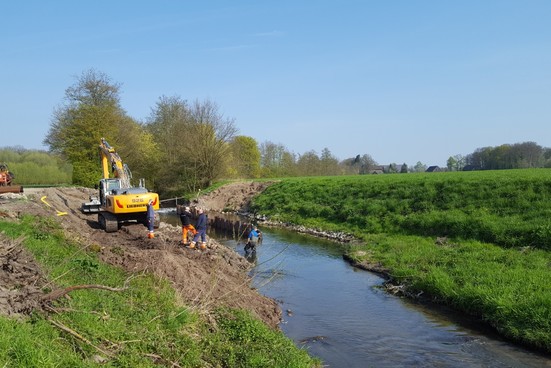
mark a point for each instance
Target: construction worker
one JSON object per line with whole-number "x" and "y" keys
{"x": 201, "y": 227}
{"x": 254, "y": 238}
{"x": 150, "y": 219}
{"x": 185, "y": 218}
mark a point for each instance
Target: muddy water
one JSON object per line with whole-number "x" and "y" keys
{"x": 340, "y": 314}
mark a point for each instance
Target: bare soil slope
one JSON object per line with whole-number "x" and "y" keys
{"x": 232, "y": 197}
{"x": 202, "y": 279}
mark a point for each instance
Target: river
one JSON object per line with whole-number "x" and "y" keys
{"x": 341, "y": 315}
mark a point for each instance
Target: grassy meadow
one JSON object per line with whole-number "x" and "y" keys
{"x": 142, "y": 326}
{"x": 477, "y": 241}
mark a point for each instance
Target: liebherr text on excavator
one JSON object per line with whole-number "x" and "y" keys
{"x": 118, "y": 201}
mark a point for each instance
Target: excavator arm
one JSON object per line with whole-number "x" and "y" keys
{"x": 110, "y": 160}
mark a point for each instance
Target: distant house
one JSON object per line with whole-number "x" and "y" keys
{"x": 385, "y": 169}
{"x": 433, "y": 169}
{"x": 377, "y": 170}
{"x": 391, "y": 169}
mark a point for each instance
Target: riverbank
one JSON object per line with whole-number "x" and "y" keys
{"x": 503, "y": 286}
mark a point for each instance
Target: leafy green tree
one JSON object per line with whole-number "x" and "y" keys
{"x": 456, "y": 163}
{"x": 170, "y": 124}
{"x": 329, "y": 164}
{"x": 451, "y": 163}
{"x": 527, "y": 155}
{"x": 480, "y": 158}
{"x": 404, "y": 169}
{"x": 508, "y": 156}
{"x": 91, "y": 111}
{"x": 419, "y": 167}
{"x": 139, "y": 151}
{"x": 547, "y": 157}
{"x": 288, "y": 164}
{"x": 308, "y": 164}
{"x": 245, "y": 155}
{"x": 460, "y": 162}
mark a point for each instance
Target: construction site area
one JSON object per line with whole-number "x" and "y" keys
{"x": 204, "y": 279}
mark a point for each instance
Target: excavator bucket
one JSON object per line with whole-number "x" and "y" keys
{"x": 91, "y": 207}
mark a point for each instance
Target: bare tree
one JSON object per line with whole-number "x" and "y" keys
{"x": 367, "y": 163}
{"x": 212, "y": 132}
{"x": 276, "y": 160}
{"x": 195, "y": 143}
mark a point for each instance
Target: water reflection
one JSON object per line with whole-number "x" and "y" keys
{"x": 340, "y": 314}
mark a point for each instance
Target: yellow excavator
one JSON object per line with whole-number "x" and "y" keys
{"x": 118, "y": 201}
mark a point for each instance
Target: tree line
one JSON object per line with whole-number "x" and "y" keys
{"x": 524, "y": 155}
{"x": 181, "y": 146}
{"x": 184, "y": 146}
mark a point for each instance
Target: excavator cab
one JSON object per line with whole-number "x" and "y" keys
{"x": 108, "y": 186}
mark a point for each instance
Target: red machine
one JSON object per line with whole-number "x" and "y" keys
{"x": 6, "y": 176}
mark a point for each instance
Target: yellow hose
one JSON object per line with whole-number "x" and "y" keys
{"x": 59, "y": 213}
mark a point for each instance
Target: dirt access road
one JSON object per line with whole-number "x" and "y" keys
{"x": 203, "y": 279}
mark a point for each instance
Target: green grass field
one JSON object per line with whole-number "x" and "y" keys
{"x": 494, "y": 261}
{"x": 510, "y": 208}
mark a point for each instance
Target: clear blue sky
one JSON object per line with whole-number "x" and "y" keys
{"x": 402, "y": 81}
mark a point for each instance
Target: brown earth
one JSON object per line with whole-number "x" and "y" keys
{"x": 232, "y": 197}
{"x": 203, "y": 279}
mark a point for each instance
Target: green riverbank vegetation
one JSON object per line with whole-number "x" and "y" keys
{"x": 35, "y": 167}
{"x": 479, "y": 242}
{"x": 142, "y": 325}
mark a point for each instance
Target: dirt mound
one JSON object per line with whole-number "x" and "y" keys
{"x": 21, "y": 279}
{"x": 234, "y": 197}
{"x": 203, "y": 279}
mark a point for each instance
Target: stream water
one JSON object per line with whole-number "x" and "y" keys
{"x": 339, "y": 313}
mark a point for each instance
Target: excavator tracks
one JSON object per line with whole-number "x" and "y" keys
{"x": 108, "y": 222}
